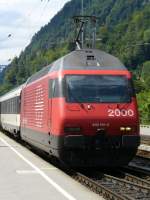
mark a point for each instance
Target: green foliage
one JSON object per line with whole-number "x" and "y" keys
{"x": 139, "y": 86}
{"x": 146, "y": 36}
{"x": 145, "y": 74}
{"x": 126, "y": 39}
{"x": 144, "y": 107}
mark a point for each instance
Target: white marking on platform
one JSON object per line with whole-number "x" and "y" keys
{"x": 26, "y": 172}
{"x": 48, "y": 179}
{"x": 7, "y": 146}
{"x": 48, "y": 168}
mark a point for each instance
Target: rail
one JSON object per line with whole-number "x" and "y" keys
{"x": 141, "y": 163}
{"x": 114, "y": 188}
{"x": 138, "y": 172}
{"x": 134, "y": 179}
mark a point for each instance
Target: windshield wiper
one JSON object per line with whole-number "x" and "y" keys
{"x": 76, "y": 99}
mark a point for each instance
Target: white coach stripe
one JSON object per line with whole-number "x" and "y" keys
{"x": 49, "y": 180}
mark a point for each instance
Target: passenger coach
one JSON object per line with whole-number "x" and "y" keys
{"x": 10, "y": 111}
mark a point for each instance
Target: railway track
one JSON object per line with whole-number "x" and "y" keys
{"x": 141, "y": 163}
{"x": 143, "y": 153}
{"x": 144, "y": 148}
{"x": 131, "y": 175}
{"x": 114, "y": 188}
{"x": 130, "y": 183}
{"x": 137, "y": 172}
{"x": 145, "y": 140}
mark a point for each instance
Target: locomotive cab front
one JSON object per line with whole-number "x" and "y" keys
{"x": 96, "y": 118}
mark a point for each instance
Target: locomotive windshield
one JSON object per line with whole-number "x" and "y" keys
{"x": 98, "y": 89}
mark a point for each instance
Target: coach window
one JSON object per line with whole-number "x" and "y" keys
{"x": 12, "y": 111}
{"x": 6, "y": 103}
{"x": 4, "y": 108}
{"x": 18, "y": 104}
{"x": 7, "y": 107}
{"x": 12, "y": 105}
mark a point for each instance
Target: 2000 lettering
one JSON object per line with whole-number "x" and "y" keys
{"x": 120, "y": 113}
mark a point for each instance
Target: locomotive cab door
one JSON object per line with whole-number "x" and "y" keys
{"x": 51, "y": 92}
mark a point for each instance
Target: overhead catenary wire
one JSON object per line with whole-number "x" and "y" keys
{"x": 40, "y": 15}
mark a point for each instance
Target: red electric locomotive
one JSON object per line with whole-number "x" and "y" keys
{"x": 82, "y": 109}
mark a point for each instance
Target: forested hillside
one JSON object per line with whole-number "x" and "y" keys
{"x": 124, "y": 29}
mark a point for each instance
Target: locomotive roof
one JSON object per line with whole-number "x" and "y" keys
{"x": 84, "y": 59}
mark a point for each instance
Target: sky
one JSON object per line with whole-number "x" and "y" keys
{"x": 20, "y": 20}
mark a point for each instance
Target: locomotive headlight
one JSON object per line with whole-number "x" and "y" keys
{"x": 122, "y": 128}
{"x": 72, "y": 129}
{"x": 128, "y": 128}
{"x": 125, "y": 129}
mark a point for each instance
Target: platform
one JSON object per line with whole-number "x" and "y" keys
{"x": 145, "y": 130}
{"x": 24, "y": 175}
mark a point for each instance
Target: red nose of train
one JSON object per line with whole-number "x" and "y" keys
{"x": 95, "y": 104}
{"x": 92, "y": 119}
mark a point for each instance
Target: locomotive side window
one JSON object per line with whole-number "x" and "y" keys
{"x": 56, "y": 88}
{"x": 98, "y": 89}
{"x": 51, "y": 87}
